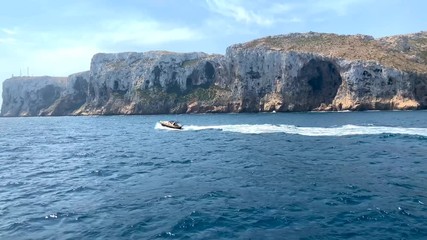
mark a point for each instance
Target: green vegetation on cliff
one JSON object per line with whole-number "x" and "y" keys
{"x": 405, "y": 52}
{"x": 204, "y": 94}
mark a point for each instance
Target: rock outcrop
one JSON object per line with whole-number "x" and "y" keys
{"x": 43, "y": 96}
{"x": 29, "y": 96}
{"x": 155, "y": 82}
{"x": 302, "y": 72}
{"x": 295, "y": 72}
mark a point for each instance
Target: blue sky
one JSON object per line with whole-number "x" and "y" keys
{"x": 59, "y": 37}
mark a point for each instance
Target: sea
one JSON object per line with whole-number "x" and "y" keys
{"x": 335, "y": 175}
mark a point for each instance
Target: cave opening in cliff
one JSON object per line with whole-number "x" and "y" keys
{"x": 316, "y": 82}
{"x": 322, "y": 79}
{"x": 116, "y": 85}
{"x": 156, "y": 72}
{"x": 188, "y": 82}
{"x": 209, "y": 71}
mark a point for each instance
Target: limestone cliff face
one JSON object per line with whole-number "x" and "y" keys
{"x": 267, "y": 80}
{"x": 40, "y": 96}
{"x": 29, "y": 96}
{"x": 156, "y": 82}
{"x": 295, "y": 72}
{"x": 372, "y": 86}
{"x": 303, "y": 72}
{"x": 72, "y": 97}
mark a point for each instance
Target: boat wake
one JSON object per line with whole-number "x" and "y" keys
{"x": 345, "y": 130}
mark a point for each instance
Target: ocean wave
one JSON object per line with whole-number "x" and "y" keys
{"x": 345, "y": 130}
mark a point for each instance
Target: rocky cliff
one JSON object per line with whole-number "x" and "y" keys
{"x": 28, "y": 96}
{"x": 301, "y": 72}
{"x": 40, "y": 96}
{"x": 156, "y": 82}
{"x": 294, "y": 72}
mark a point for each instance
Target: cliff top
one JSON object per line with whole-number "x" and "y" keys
{"x": 32, "y": 79}
{"x": 406, "y": 52}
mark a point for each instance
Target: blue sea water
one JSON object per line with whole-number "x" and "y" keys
{"x": 354, "y": 175}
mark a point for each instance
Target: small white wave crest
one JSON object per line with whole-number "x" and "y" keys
{"x": 158, "y": 126}
{"x": 345, "y": 130}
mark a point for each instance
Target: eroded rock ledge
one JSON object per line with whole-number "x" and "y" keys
{"x": 295, "y": 72}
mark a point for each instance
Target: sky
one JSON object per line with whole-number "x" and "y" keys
{"x": 59, "y": 37}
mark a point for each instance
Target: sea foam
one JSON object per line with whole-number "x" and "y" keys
{"x": 344, "y": 130}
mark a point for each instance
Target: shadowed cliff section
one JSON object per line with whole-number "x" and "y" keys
{"x": 294, "y": 72}
{"x": 323, "y": 80}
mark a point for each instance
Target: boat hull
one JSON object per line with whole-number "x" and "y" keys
{"x": 171, "y": 124}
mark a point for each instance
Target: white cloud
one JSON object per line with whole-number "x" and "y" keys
{"x": 295, "y": 20}
{"x": 238, "y": 12}
{"x": 8, "y": 37}
{"x": 224, "y": 27}
{"x": 251, "y": 18}
{"x": 8, "y": 31}
{"x": 53, "y": 61}
{"x": 7, "y": 41}
{"x": 269, "y": 13}
{"x": 281, "y": 8}
{"x": 144, "y": 33}
{"x": 340, "y": 7}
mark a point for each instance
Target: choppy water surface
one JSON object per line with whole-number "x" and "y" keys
{"x": 226, "y": 176}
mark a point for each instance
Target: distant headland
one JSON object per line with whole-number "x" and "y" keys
{"x": 293, "y": 72}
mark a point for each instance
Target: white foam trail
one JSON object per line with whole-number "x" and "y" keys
{"x": 310, "y": 131}
{"x": 158, "y": 126}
